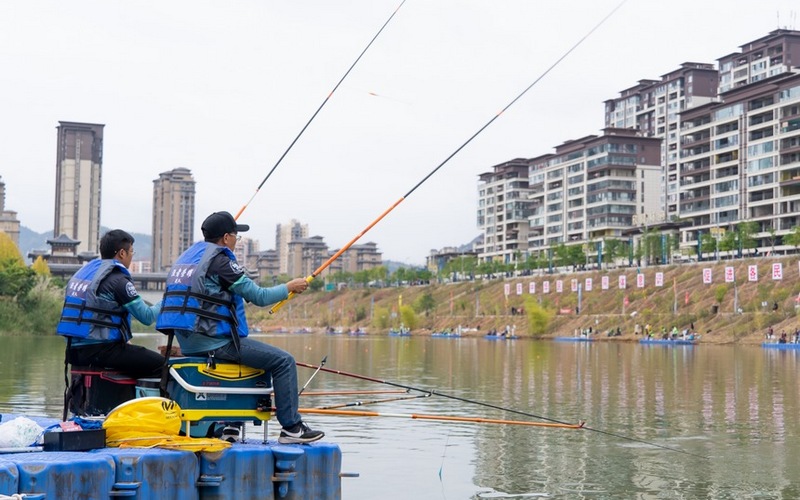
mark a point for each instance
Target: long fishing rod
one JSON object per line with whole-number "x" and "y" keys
{"x": 372, "y": 402}
{"x": 496, "y": 407}
{"x": 386, "y": 212}
{"x": 352, "y": 393}
{"x": 443, "y": 418}
{"x": 325, "y": 101}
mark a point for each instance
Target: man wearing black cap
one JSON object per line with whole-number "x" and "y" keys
{"x": 204, "y": 307}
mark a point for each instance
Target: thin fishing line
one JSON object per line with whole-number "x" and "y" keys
{"x": 501, "y": 408}
{"x": 335, "y": 256}
{"x": 325, "y": 101}
{"x": 641, "y": 441}
{"x": 444, "y": 453}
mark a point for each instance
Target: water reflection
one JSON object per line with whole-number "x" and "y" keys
{"x": 734, "y": 409}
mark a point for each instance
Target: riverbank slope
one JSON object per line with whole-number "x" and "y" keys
{"x": 734, "y": 312}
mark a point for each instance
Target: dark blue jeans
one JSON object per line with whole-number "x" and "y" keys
{"x": 279, "y": 364}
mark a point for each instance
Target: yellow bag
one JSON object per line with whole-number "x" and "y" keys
{"x": 153, "y": 422}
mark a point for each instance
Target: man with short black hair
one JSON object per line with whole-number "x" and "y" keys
{"x": 96, "y": 318}
{"x": 204, "y": 308}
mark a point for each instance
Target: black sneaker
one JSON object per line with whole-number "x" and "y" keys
{"x": 231, "y": 434}
{"x": 300, "y": 433}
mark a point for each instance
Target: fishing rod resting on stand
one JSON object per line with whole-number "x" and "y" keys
{"x": 321, "y": 364}
{"x": 325, "y": 101}
{"x": 346, "y": 247}
{"x": 554, "y": 422}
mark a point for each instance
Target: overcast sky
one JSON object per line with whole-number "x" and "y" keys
{"x": 222, "y": 88}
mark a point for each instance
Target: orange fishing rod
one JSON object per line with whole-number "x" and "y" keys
{"x": 443, "y": 418}
{"x": 553, "y": 422}
{"x": 385, "y": 213}
{"x": 325, "y": 101}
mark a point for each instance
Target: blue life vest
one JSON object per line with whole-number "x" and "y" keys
{"x": 189, "y": 305}
{"x": 87, "y": 316}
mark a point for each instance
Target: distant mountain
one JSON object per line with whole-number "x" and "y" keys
{"x": 30, "y": 240}
{"x": 392, "y": 265}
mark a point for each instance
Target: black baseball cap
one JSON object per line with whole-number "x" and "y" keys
{"x": 219, "y": 223}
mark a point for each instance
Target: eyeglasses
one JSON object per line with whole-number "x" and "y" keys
{"x": 236, "y": 235}
{"x": 130, "y": 251}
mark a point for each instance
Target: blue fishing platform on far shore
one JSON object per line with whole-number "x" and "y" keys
{"x": 668, "y": 341}
{"x": 777, "y": 345}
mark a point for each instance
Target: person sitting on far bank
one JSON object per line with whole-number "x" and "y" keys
{"x": 96, "y": 318}
{"x": 204, "y": 308}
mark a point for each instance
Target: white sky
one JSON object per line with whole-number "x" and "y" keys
{"x": 222, "y": 88}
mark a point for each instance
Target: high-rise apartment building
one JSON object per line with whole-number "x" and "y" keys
{"x": 740, "y": 161}
{"x": 9, "y": 223}
{"x": 594, "y": 188}
{"x": 653, "y": 108}
{"x": 359, "y": 257}
{"x": 763, "y": 58}
{"x": 305, "y": 255}
{"x": 503, "y": 210}
{"x": 79, "y": 164}
{"x": 173, "y": 217}
{"x": 284, "y": 235}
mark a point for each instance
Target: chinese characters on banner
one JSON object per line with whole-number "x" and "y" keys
{"x": 605, "y": 281}
{"x": 729, "y": 275}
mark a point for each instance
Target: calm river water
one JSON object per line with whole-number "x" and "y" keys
{"x": 734, "y": 410}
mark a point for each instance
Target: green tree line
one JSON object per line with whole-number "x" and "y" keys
{"x": 30, "y": 299}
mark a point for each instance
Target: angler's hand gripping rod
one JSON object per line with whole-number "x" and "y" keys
{"x": 386, "y": 212}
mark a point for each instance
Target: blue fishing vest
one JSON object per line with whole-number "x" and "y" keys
{"x": 189, "y": 305}
{"x": 87, "y": 316}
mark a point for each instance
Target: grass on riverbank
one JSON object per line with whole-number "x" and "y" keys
{"x": 682, "y": 300}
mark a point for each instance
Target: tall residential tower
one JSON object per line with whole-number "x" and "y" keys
{"x": 9, "y": 223}
{"x": 173, "y": 217}
{"x": 284, "y": 235}
{"x": 79, "y": 165}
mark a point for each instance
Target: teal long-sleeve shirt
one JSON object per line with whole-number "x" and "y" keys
{"x": 249, "y": 291}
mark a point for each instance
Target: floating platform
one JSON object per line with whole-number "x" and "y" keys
{"x": 444, "y": 335}
{"x": 574, "y": 339}
{"x": 501, "y": 337}
{"x": 777, "y": 345}
{"x": 668, "y": 341}
{"x": 243, "y": 471}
